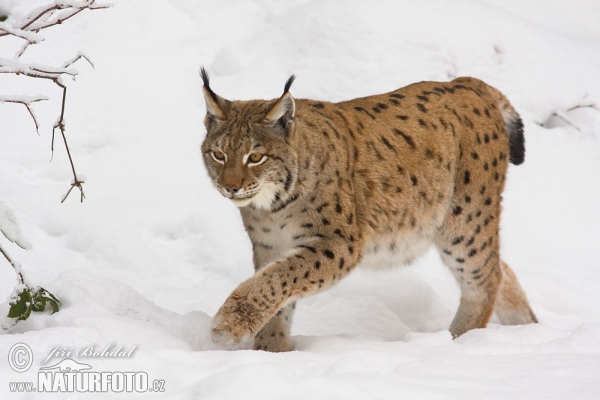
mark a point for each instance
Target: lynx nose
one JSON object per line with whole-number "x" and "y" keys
{"x": 232, "y": 189}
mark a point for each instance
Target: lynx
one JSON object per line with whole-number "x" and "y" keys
{"x": 324, "y": 188}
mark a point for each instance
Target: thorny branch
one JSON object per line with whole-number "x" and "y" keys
{"x": 28, "y": 30}
{"x": 60, "y": 124}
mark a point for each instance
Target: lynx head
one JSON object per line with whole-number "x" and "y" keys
{"x": 248, "y": 149}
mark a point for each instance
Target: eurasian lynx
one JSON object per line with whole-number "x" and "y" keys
{"x": 325, "y": 187}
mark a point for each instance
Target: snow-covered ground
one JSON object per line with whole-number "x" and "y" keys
{"x": 153, "y": 251}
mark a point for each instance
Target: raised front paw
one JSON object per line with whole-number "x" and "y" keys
{"x": 240, "y": 317}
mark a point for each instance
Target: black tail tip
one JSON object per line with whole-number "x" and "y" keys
{"x": 517, "y": 141}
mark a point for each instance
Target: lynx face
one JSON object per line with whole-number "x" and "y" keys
{"x": 247, "y": 150}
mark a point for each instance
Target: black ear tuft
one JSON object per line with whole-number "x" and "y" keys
{"x": 288, "y": 84}
{"x": 204, "y": 76}
{"x": 206, "y": 81}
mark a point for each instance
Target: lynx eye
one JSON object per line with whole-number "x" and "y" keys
{"x": 256, "y": 158}
{"x": 218, "y": 156}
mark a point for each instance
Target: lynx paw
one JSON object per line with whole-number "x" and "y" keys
{"x": 274, "y": 345}
{"x": 228, "y": 330}
{"x": 239, "y": 319}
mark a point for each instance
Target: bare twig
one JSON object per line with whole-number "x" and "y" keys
{"x": 60, "y": 124}
{"x": 73, "y": 60}
{"x": 27, "y": 103}
{"x": 566, "y": 119}
{"x": 592, "y": 106}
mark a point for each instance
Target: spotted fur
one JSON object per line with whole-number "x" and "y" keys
{"x": 373, "y": 181}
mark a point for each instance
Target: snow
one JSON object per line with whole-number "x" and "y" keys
{"x": 151, "y": 254}
{"x": 10, "y": 228}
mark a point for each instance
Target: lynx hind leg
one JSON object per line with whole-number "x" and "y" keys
{"x": 512, "y": 307}
{"x": 275, "y": 335}
{"x": 474, "y": 261}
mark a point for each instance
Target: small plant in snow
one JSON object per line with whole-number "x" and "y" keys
{"x": 24, "y": 298}
{"x": 28, "y": 30}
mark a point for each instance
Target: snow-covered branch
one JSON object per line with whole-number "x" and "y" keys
{"x": 9, "y": 228}
{"x": 30, "y": 36}
{"x": 46, "y": 16}
{"x": 28, "y": 29}
{"x": 24, "y": 298}
{"x": 8, "y": 66}
{"x": 26, "y": 101}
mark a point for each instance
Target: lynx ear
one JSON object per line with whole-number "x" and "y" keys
{"x": 216, "y": 106}
{"x": 213, "y": 110}
{"x": 284, "y": 110}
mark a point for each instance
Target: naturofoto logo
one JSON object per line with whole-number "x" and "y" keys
{"x": 69, "y": 375}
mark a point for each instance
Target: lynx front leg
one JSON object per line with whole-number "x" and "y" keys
{"x": 275, "y": 335}
{"x": 256, "y": 301}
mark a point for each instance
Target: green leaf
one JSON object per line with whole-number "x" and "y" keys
{"x": 39, "y": 304}
{"x": 52, "y": 297}
{"x": 54, "y": 306}
{"x": 3, "y": 18}
{"x": 27, "y": 312}
{"x": 41, "y": 296}
{"x": 28, "y": 300}
{"x": 22, "y": 305}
